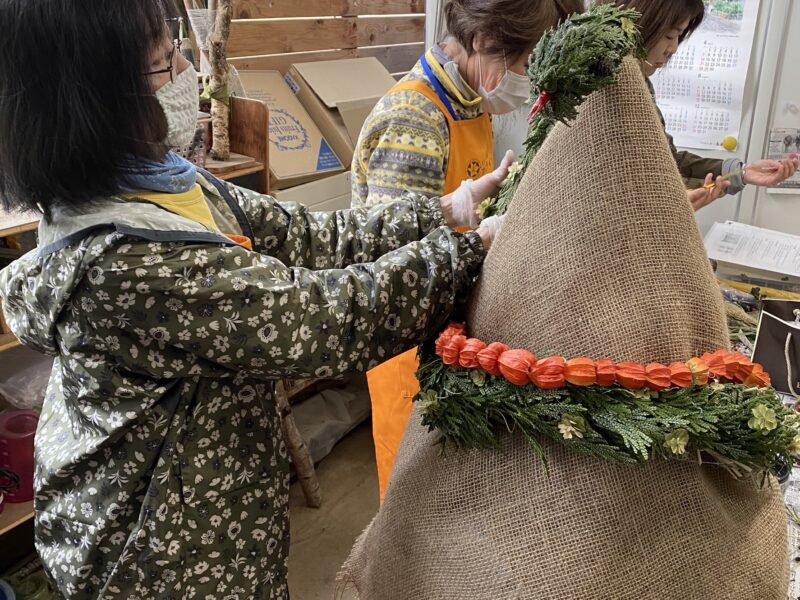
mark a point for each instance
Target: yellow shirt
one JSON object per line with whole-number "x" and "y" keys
{"x": 191, "y": 205}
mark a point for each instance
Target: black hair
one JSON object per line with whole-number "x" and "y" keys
{"x": 74, "y": 100}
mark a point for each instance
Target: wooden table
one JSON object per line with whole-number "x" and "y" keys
{"x": 12, "y": 224}
{"x": 16, "y": 223}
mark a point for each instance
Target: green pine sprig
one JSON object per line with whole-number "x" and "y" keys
{"x": 713, "y": 423}
{"x": 582, "y": 55}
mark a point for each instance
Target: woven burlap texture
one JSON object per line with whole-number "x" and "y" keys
{"x": 600, "y": 256}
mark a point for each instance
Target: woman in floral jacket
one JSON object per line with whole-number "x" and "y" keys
{"x": 171, "y": 301}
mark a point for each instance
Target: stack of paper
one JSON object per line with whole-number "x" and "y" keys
{"x": 744, "y": 251}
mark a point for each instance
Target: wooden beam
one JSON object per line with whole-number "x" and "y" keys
{"x": 395, "y": 58}
{"x": 278, "y": 36}
{"x": 277, "y": 9}
{"x": 257, "y": 38}
{"x": 385, "y": 7}
{"x": 281, "y": 9}
{"x": 383, "y": 31}
{"x": 282, "y": 62}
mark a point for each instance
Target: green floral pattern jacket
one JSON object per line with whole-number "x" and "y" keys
{"x": 160, "y": 467}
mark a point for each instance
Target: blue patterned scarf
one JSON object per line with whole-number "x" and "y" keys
{"x": 172, "y": 175}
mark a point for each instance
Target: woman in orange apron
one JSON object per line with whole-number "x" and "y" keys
{"x": 432, "y": 133}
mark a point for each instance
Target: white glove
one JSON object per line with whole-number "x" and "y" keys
{"x": 489, "y": 229}
{"x": 468, "y": 197}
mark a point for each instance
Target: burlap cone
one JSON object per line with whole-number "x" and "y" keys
{"x": 600, "y": 256}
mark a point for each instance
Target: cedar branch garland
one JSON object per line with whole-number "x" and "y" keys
{"x": 742, "y": 427}
{"x": 583, "y": 55}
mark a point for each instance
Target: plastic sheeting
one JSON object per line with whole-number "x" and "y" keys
{"x": 328, "y": 416}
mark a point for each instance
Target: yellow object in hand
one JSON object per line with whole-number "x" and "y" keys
{"x": 708, "y": 186}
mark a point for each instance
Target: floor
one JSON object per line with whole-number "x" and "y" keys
{"x": 322, "y": 538}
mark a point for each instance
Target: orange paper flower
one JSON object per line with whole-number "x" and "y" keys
{"x": 487, "y": 358}
{"x": 680, "y": 375}
{"x": 580, "y": 371}
{"x": 521, "y": 367}
{"x": 548, "y": 374}
{"x": 469, "y": 353}
{"x": 658, "y": 377}
{"x": 731, "y": 364}
{"x": 631, "y": 375}
{"x": 444, "y": 338}
{"x": 716, "y": 364}
{"x": 515, "y": 364}
{"x": 453, "y": 349}
{"x": 744, "y": 366}
{"x": 606, "y": 372}
{"x": 699, "y": 369}
{"x": 758, "y": 377}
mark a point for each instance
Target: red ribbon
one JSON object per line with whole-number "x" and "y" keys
{"x": 542, "y": 101}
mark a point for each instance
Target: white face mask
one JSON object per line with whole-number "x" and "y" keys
{"x": 179, "y": 100}
{"x": 511, "y": 93}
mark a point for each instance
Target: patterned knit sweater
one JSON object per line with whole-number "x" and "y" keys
{"x": 405, "y": 141}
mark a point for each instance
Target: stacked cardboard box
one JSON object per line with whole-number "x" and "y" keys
{"x": 316, "y": 114}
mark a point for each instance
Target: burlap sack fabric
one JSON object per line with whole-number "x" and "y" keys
{"x": 600, "y": 256}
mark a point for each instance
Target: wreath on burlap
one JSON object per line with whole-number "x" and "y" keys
{"x": 716, "y": 408}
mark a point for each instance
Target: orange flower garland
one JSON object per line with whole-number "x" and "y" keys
{"x": 488, "y": 357}
{"x": 520, "y": 367}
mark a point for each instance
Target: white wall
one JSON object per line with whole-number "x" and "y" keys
{"x": 778, "y": 105}
{"x": 762, "y": 69}
{"x": 434, "y": 21}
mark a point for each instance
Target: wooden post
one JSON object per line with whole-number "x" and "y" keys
{"x": 298, "y": 450}
{"x": 217, "y": 49}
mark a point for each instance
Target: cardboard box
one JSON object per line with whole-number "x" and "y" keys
{"x": 339, "y": 95}
{"x": 331, "y": 193}
{"x": 298, "y": 152}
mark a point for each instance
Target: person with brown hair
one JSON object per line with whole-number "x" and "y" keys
{"x": 432, "y": 134}
{"x": 664, "y": 25}
{"x": 603, "y": 270}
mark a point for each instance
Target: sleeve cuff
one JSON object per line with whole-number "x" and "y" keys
{"x": 428, "y": 210}
{"x": 731, "y": 165}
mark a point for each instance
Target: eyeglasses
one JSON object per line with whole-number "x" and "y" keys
{"x": 176, "y": 47}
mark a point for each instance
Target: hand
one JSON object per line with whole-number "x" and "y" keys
{"x": 703, "y": 197}
{"x": 488, "y": 185}
{"x": 489, "y": 229}
{"x": 769, "y": 173}
{"x": 461, "y": 207}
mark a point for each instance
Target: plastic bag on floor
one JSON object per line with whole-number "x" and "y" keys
{"x": 24, "y": 375}
{"x": 325, "y": 418}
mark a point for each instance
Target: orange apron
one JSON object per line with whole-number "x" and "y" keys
{"x": 393, "y": 384}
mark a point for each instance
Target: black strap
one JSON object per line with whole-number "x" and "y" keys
{"x": 153, "y": 235}
{"x": 235, "y": 207}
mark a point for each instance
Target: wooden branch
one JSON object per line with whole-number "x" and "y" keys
{"x": 301, "y": 457}
{"x": 217, "y": 49}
